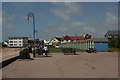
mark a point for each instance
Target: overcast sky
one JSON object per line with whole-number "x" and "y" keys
{"x": 59, "y": 19}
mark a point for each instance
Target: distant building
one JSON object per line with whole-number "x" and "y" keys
{"x": 17, "y": 41}
{"x": 113, "y": 34}
{"x": 46, "y": 42}
{"x": 74, "y": 38}
{"x": 30, "y": 42}
{"x": 99, "y": 44}
{"x": 55, "y": 41}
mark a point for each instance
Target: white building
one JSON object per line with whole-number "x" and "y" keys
{"x": 46, "y": 42}
{"x": 17, "y": 41}
{"x": 55, "y": 41}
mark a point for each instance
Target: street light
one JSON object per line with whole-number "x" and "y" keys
{"x": 36, "y": 34}
{"x": 31, "y": 15}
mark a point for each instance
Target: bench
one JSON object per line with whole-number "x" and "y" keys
{"x": 68, "y": 51}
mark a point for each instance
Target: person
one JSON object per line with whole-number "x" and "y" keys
{"x": 30, "y": 48}
{"x": 45, "y": 50}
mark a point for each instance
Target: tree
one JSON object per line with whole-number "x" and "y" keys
{"x": 114, "y": 43}
{"x": 117, "y": 43}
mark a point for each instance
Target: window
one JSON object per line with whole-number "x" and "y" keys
{"x": 15, "y": 44}
{"x": 11, "y": 44}
{"x": 11, "y": 41}
{"x": 20, "y": 41}
{"x": 15, "y": 41}
{"x": 20, "y": 44}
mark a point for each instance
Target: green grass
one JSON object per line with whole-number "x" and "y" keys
{"x": 114, "y": 49}
{"x": 79, "y": 50}
{"x": 60, "y": 50}
{"x": 55, "y": 50}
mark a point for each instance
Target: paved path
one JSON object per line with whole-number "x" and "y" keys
{"x": 8, "y": 53}
{"x": 84, "y": 65}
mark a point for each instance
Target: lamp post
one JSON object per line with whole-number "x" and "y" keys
{"x": 36, "y": 34}
{"x": 31, "y": 15}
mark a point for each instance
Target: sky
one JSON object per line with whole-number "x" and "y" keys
{"x": 57, "y": 19}
{"x": 60, "y": 0}
{"x": 0, "y": 22}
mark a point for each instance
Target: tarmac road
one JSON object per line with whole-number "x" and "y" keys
{"x": 57, "y": 65}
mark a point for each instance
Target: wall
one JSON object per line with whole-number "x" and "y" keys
{"x": 101, "y": 46}
{"x": 85, "y": 44}
{"x": 82, "y": 44}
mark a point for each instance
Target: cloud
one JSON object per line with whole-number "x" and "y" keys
{"x": 7, "y": 19}
{"x": 8, "y": 26}
{"x": 35, "y": 0}
{"x": 66, "y": 9}
{"x": 50, "y": 24}
{"x": 0, "y": 26}
{"x": 78, "y": 24}
{"x": 61, "y": 14}
{"x": 72, "y": 27}
{"x": 0, "y": 13}
{"x": 64, "y": 28}
{"x": 99, "y": 27}
{"x": 69, "y": 7}
{"x": 11, "y": 17}
{"x": 111, "y": 19}
{"x": 89, "y": 30}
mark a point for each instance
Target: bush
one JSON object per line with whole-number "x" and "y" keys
{"x": 114, "y": 43}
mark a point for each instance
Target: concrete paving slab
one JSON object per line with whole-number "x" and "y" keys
{"x": 84, "y": 65}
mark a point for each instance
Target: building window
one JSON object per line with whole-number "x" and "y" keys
{"x": 20, "y": 44}
{"x": 11, "y": 41}
{"x": 15, "y": 41}
{"x": 20, "y": 41}
{"x": 11, "y": 44}
{"x": 15, "y": 44}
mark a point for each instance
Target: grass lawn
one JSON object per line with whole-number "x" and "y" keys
{"x": 78, "y": 50}
{"x": 60, "y": 50}
{"x": 55, "y": 50}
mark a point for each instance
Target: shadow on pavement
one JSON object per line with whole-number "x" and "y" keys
{"x": 42, "y": 56}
